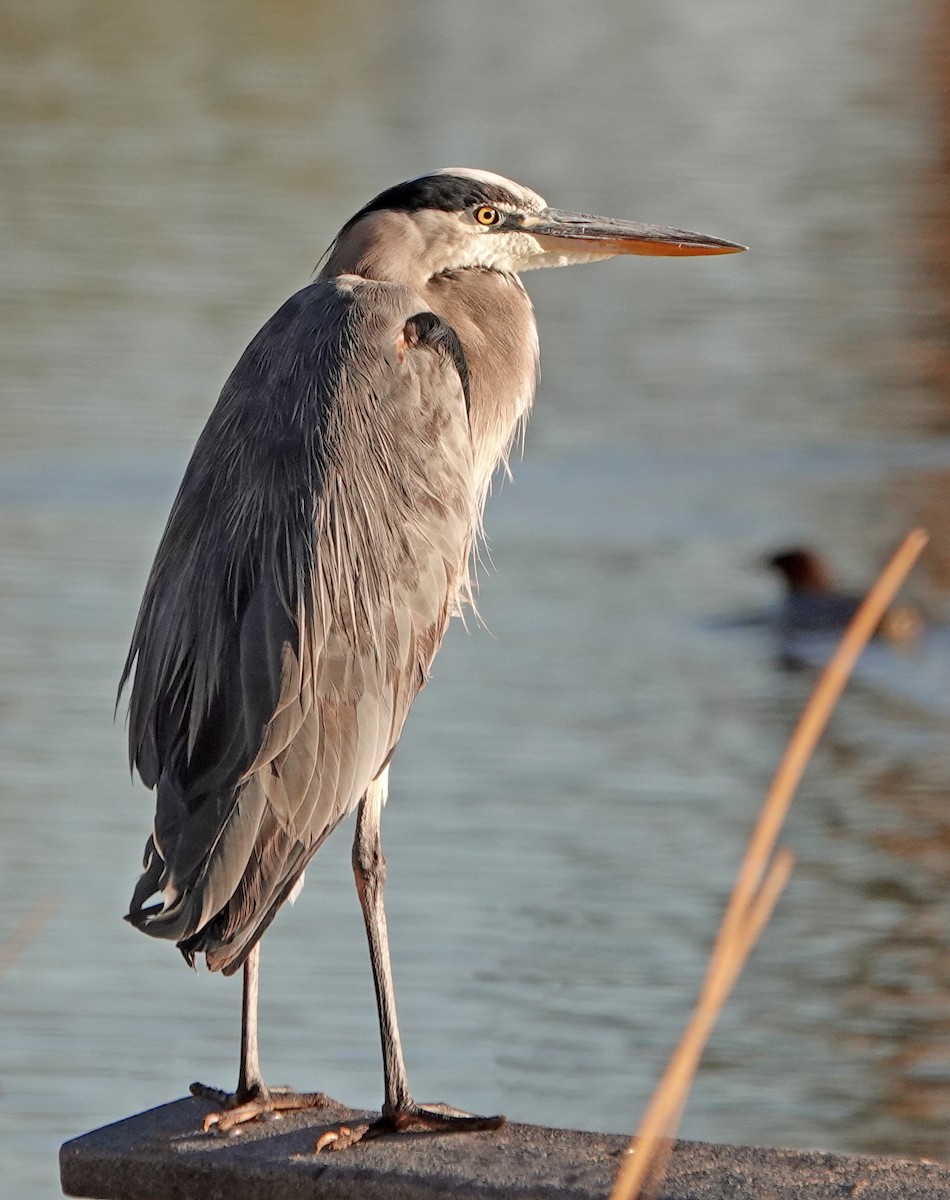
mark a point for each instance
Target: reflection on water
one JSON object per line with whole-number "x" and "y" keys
{"x": 572, "y": 792}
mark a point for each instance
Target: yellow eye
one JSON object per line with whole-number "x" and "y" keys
{"x": 486, "y": 215}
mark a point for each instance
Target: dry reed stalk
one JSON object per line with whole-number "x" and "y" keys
{"x": 30, "y": 927}
{"x": 758, "y": 886}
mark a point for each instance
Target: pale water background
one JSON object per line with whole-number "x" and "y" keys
{"x": 572, "y": 793}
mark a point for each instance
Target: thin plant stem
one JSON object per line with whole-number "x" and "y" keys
{"x": 762, "y": 876}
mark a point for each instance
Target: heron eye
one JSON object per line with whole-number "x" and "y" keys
{"x": 486, "y": 215}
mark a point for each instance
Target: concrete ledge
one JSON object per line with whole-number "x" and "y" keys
{"x": 158, "y": 1155}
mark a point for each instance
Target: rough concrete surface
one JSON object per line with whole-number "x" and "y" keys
{"x": 163, "y": 1155}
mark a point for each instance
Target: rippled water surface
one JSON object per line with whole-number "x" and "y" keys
{"x": 573, "y": 790}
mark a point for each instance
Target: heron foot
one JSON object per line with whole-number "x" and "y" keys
{"x": 238, "y": 1110}
{"x": 434, "y": 1118}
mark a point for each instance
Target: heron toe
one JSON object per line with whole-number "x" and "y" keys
{"x": 236, "y": 1110}
{"x": 413, "y": 1118}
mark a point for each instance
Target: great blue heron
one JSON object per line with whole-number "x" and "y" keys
{"x": 317, "y": 547}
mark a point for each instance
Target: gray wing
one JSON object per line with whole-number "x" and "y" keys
{"x": 311, "y": 562}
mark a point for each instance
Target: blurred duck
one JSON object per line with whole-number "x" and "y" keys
{"x": 813, "y": 605}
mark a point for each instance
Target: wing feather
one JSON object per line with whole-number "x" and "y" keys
{"x": 311, "y": 561}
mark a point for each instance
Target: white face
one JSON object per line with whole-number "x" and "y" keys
{"x": 468, "y": 242}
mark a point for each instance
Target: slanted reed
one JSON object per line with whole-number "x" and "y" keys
{"x": 760, "y": 881}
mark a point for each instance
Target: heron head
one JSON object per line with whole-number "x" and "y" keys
{"x": 460, "y": 218}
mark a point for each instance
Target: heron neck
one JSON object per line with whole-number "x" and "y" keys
{"x": 494, "y": 319}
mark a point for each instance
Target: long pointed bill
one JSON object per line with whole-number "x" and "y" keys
{"x": 572, "y": 233}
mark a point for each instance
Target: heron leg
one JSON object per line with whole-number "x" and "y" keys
{"x": 250, "y": 1080}
{"x": 369, "y": 870}
{"x": 253, "y": 1098}
{"x": 400, "y": 1112}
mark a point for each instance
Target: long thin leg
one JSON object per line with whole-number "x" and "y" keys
{"x": 399, "y": 1110}
{"x": 252, "y": 1098}
{"x": 369, "y": 869}
{"x": 250, "y": 1080}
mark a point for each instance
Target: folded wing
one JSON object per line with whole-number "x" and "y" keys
{"x": 311, "y": 561}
